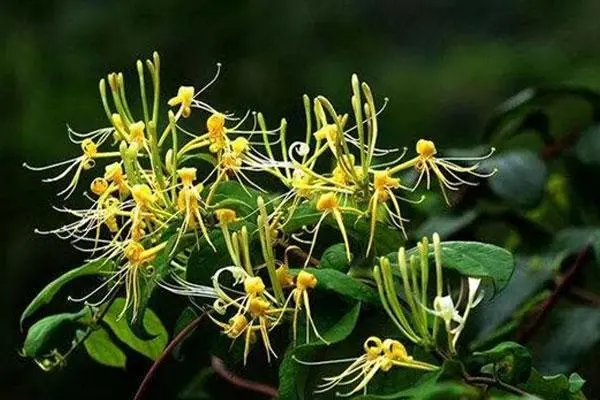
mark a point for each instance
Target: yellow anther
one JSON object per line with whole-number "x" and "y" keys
{"x": 327, "y": 201}
{"x": 305, "y": 280}
{"x": 254, "y": 285}
{"x": 187, "y": 175}
{"x": 426, "y": 148}
{"x": 239, "y": 145}
{"x": 185, "y": 96}
{"x": 258, "y": 307}
{"x": 142, "y": 194}
{"x": 136, "y": 131}
{"x": 328, "y": 132}
{"x": 99, "y": 186}
{"x": 225, "y": 215}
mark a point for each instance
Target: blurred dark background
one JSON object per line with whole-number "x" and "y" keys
{"x": 443, "y": 64}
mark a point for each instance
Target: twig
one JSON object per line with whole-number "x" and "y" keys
{"x": 176, "y": 340}
{"x": 481, "y": 380}
{"x": 525, "y": 334}
{"x": 556, "y": 148}
{"x": 585, "y": 295}
{"x": 219, "y": 367}
{"x": 298, "y": 252}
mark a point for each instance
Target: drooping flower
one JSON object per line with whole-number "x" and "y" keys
{"x": 378, "y": 356}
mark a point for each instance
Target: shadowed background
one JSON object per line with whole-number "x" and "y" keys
{"x": 444, "y": 67}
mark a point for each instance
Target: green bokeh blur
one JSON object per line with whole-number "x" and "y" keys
{"x": 443, "y": 64}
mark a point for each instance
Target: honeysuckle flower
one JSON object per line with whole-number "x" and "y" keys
{"x": 383, "y": 184}
{"x": 189, "y": 203}
{"x": 137, "y": 262}
{"x": 258, "y": 307}
{"x": 304, "y": 281}
{"x": 184, "y": 98}
{"x": 378, "y": 356}
{"x": 328, "y": 204}
{"x": 82, "y": 163}
{"x": 447, "y": 172}
{"x": 445, "y": 309}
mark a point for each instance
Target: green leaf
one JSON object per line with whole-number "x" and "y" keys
{"x": 512, "y": 362}
{"x": 576, "y": 382}
{"x": 185, "y": 318}
{"x": 571, "y": 334}
{"x": 147, "y": 284}
{"x": 386, "y": 238}
{"x": 304, "y": 214}
{"x": 102, "y": 349}
{"x": 511, "y": 117}
{"x": 334, "y": 257}
{"x": 204, "y": 262}
{"x": 588, "y": 146}
{"x": 556, "y": 387}
{"x": 572, "y": 240}
{"x": 436, "y": 391}
{"x": 47, "y": 294}
{"x": 242, "y": 199}
{"x": 292, "y": 375}
{"x": 336, "y": 281}
{"x": 474, "y": 259}
{"x": 445, "y": 225}
{"x": 49, "y": 332}
{"x": 150, "y": 348}
{"x": 521, "y": 177}
{"x": 493, "y": 318}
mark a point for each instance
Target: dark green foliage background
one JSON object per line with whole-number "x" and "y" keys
{"x": 444, "y": 66}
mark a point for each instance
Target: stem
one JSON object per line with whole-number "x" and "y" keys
{"x": 298, "y": 252}
{"x": 495, "y": 382}
{"x": 529, "y": 330}
{"x": 176, "y": 340}
{"x": 219, "y": 367}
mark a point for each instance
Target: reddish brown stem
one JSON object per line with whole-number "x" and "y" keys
{"x": 524, "y": 335}
{"x": 219, "y": 367}
{"x": 176, "y": 340}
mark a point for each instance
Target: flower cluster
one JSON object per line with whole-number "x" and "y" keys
{"x": 156, "y": 199}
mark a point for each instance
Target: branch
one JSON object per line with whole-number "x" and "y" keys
{"x": 176, "y": 340}
{"x": 524, "y": 335}
{"x": 481, "y": 380}
{"x": 219, "y": 367}
{"x": 298, "y": 252}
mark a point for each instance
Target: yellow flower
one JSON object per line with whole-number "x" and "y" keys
{"x": 255, "y": 306}
{"x": 189, "y": 203}
{"x": 328, "y": 204}
{"x": 142, "y": 194}
{"x": 447, "y": 172}
{"x": 304, "y": 281}
{"x": 225, "y": 215}
{"x": 378, "y": 356}
{"x": 136, "y": 132}
{"x": 185, "y": 96}
{"x": 239, "y": 145}
{"x": 383, "y": 185}
{"x": 99, "y": 186}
